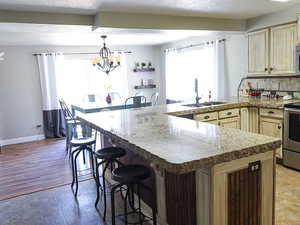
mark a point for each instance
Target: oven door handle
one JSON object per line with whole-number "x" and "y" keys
{"x": 292, "y": 110}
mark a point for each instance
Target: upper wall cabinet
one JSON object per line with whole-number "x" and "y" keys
{"x": 272, "y": 51}
{"x": 258, "y": 52}
{"x": 283, "y": 47}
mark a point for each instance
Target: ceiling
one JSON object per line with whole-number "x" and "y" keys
{"x": 237, "y": 9}
{"x": 71, "y": 35}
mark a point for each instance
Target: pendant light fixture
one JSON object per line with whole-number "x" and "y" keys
{"x": 107, "y": 62}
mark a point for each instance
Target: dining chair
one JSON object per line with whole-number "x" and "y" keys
{"x": 70, "y": 123}
{"x": 154, "y": 99}
{"x": 115, "y": 96}
{"x": 137, "y": 102}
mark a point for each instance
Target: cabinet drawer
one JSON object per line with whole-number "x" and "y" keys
{"x": 229, "y": 113}
{"x": 215, "y": 122}
{"x": 206, "y": 116}
{"x": 277, "y": 113}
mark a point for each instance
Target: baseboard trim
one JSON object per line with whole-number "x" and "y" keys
{"x": 21, "y": 140}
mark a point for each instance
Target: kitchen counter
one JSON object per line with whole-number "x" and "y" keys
{"x": 176, "y": 144}
{"x": 178, "y": 109}
{"x": 200, "y": 171}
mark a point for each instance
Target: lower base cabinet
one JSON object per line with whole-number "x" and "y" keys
{"x": 264, "y": 121}
{"x": 272, "y": 127}
{"x": 215, "y": 122}
{"x": 230, "y": 123}
{"x": 254, "y": 120}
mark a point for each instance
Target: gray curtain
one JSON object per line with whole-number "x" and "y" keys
{"x": 54, "y": 124}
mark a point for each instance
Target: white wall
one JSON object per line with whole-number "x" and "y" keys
{"x": 235, "y": 57}
{"x": 142, "y": 54}
{"x": 20, "y": 93}
{"x": 281, "y": 17}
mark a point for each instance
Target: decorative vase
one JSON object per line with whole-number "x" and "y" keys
{"x": 108, "y": 99}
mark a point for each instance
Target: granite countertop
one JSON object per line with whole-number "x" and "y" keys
{"x": 180, "y": 145}
{"x": 178, "y": 109}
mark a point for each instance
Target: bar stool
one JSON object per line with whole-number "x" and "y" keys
{"x": 81, "y": 144}
{"x": 108, "y": 157}
{"x": 131, "y": 176}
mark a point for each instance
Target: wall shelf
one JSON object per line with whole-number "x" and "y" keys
{"x": 144, "y": 70}
{"x": 145, "y": 86}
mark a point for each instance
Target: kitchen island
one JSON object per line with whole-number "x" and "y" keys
{"x": 203, "y": 174}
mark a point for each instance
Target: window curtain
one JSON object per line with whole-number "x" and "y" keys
{"x": 183, "y": 66}
{"x": 221, "y": 78}
{"x": 54, "y": 124}
{"x": 77, "y": 78}
{"x": 206, "y": 63}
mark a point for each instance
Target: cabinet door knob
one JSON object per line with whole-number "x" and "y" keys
{"x": 279, "y": 127}
{"x": 229, "y": 113}
{"x": 266, "y": 69}
{"x": 271, "y": 69}
{"x": 271, "y": 112}
{"x": 206, "y": 117}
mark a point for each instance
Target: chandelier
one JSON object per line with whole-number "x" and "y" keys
{"x": 106, "y": 62}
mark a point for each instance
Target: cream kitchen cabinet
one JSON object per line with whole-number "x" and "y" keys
{"x": 272, "y": 51}
{"x": 245, "y": 120}
{"x": 233, "y": 122}
{"x": 282, "y": 49}
{"x": 271, "y": 127}
{"x": 215, "y": 122}
{"x": 258, "y": 52}
{"x": 253, "y": 120}
{"x": 250, "y": 119}
{"x": 271, "y": 124}
{"x": 205, "y": 117}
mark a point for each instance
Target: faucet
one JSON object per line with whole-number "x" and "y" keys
{"x": 196, "y": 91}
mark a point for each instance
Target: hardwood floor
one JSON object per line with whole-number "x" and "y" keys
{"x": 31, "y": 167}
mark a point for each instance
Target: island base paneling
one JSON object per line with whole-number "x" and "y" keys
{"x": 243, "y": 190}
{"x": 244, "y": 203}
{"x": 181, "y": 198}
{"x": 231, "y": 193}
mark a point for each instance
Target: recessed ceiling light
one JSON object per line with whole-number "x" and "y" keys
{"x": 280, "y": 0}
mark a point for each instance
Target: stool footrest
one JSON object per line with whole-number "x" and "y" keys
{"x": 145, "y": 218}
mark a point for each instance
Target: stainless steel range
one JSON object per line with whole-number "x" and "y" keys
{"x": 291, "y": 142}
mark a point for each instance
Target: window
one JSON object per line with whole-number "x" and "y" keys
{"x": 183, "y": 66}
{"x": 77, "y": 78}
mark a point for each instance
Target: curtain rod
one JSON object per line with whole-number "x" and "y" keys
{"x": 80, "y": 53}
{"x": 195, "y": 45}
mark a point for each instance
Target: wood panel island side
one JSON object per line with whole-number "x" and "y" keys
{"x": 202, "y": 174}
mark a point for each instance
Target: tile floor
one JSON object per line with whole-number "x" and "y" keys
{"x": 287, "y": 196}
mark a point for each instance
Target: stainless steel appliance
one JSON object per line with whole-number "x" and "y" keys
{"x": 291, "y": 142}
{"x": 298, "y": 59}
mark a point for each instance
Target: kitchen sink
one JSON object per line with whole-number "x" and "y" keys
{"x": 204, "y": 104}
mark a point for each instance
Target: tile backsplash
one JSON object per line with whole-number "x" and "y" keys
{"x": 274, "y": 84}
